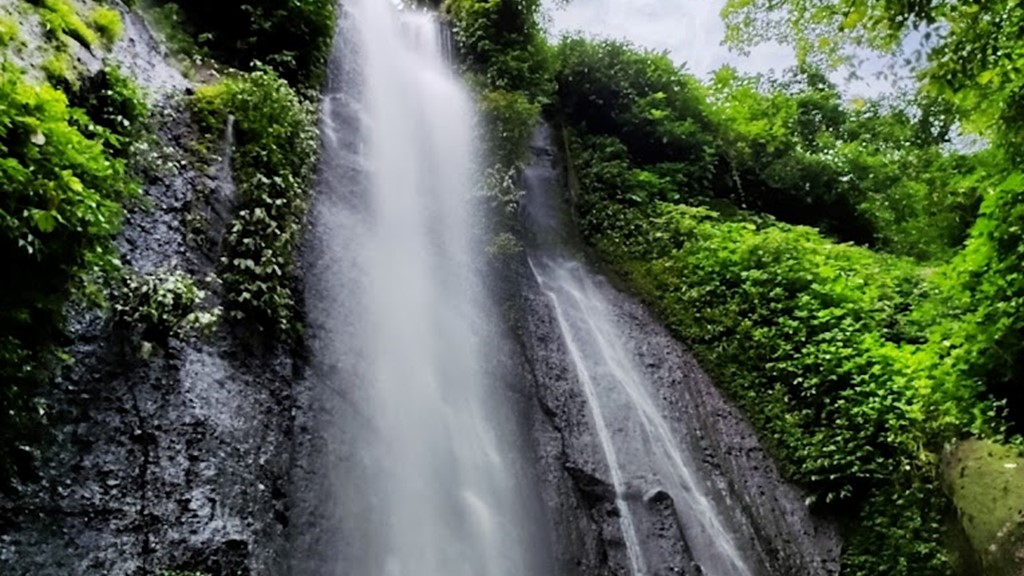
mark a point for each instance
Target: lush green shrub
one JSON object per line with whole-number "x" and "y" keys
{"x": 273, "y": 161}
{"x": 292, "y": 37}
{"x": 58, "y": 214}
{"x": 502, "y": 42}
{"x": 658, "y": 112}
{"x": 978, "y": 317}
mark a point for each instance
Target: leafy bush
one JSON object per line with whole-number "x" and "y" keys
{"x": 501, "y": 42}
{"x": 980, "y": 307}
{"x": 293, "y": 37}
{"x": 58, "y": 215}
{"x": 659, "y": 113}
{"x": 273, "y": 163}
{"x": 162, "y": 305}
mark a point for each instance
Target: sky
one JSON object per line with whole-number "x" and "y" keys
{"x": 691, "y": 31}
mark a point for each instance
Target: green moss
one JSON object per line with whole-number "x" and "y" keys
{"x": 62, "y": 20}
{"x": 10, "y": 32}
{"x": 107, "y": 23}
{"x": 986, "y": 482}
{"x": 59, "y": 69}
{"x": 273, "y": 162}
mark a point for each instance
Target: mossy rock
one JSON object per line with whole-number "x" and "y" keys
{"x": 986, "y": 483}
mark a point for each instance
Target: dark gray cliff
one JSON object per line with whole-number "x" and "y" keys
{"x": 179, "y": 461}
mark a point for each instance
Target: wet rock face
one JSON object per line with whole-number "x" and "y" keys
{"x": 179, "y": 461}
{"x": 767, "y": 517}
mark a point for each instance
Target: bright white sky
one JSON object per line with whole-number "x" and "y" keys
{"x": 690, "y": 30}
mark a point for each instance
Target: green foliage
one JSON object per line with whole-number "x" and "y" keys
{"x": 273, "y": 162}
{"x": 116, "y": 109}
{"x": 10, "y": 32}
{"x": 982, "y": 299}
{"x": 169, "y": 20}
{"x": 875, "y": 172}
{"x": 162, "y": 305}
{"x": 502, "y": 42}
{"x": 61, "y": 20}
{"x": 107, "y": 23}
{"x": 643, "y": 99}
{"x": 61, "y": 208}
{"x": 510, "y": 118}
{"x": 293, "y": 38}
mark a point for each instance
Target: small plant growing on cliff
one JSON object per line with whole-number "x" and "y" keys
{"x": 107, "y": 23}
{"x": 62, "y": 21}
{"x": 10, "y": 32}
{"x": 116, "y": 107}
{"x": 164, "y": 304}
{"x": 273, "y": 161}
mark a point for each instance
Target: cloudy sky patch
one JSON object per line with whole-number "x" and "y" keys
{"x": 691, "y": 31}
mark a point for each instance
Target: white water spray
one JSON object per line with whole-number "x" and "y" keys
{"x": 441, "y": 495}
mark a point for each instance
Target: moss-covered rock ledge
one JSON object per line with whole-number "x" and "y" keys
{"x": 986, "y": 482}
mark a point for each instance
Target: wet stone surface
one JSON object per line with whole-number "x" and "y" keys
{"x": 178, "y": 461}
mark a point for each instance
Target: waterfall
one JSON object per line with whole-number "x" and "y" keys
{"x": 643, "y": 454}
{"x": 646, "y": 456}
{"x": 428, "y": 482}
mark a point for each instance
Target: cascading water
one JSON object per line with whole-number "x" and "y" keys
{"x": 426, "y": 482}
{"x": 642, "y": 452}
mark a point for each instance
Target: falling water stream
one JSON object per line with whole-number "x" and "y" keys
{"x": 642, "y": 452}
{"x": 410, "y": 339}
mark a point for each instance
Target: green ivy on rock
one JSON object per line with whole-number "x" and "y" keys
{"x": 273, "y": 163}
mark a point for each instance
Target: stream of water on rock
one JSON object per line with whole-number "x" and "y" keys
{"x": 399, "y": 152}
{"x": 643, "y": 456}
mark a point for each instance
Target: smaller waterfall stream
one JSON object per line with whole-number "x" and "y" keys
{"x": 629, "y": 534}
{"x": 640, "y": 447}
